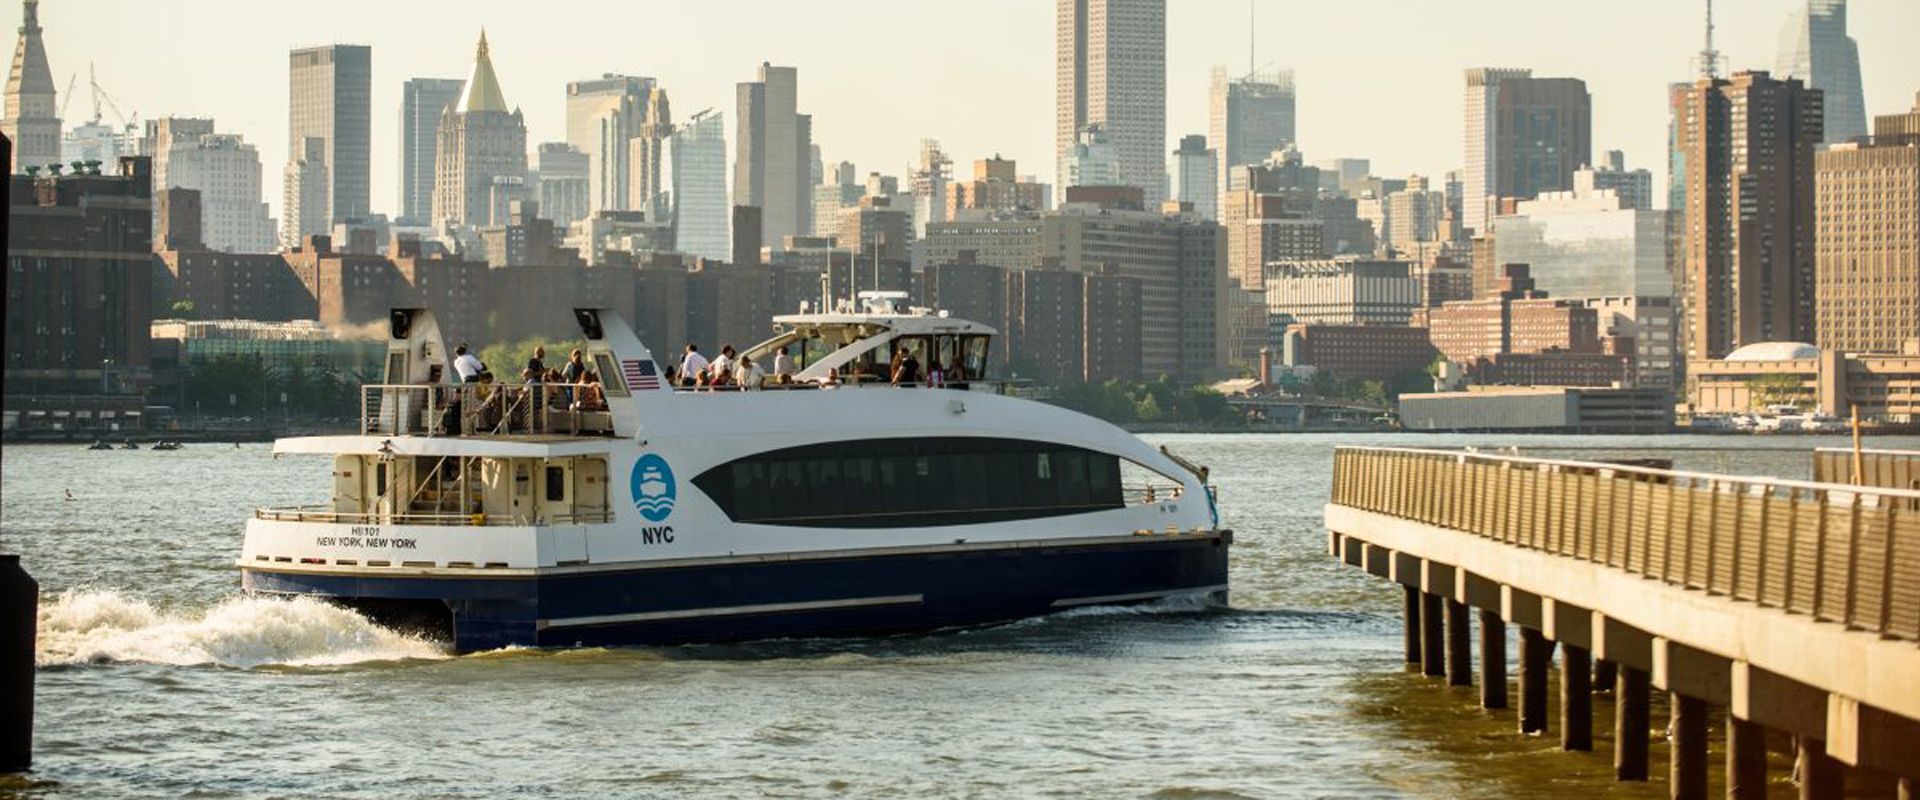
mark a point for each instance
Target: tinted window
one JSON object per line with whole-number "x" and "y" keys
{"x": 913, "y": 483}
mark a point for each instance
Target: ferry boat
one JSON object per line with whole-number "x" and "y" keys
{"x": 631, "y": 509}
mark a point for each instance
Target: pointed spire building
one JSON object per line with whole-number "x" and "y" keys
{"x": 30, "y": 119}
{"x": 482, "y": 159}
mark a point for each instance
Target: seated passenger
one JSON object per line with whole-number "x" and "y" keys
{"x": 831, "y": 380}
{"x": 748, "y": 374}
{"x": 957, "y": 378}
{"x": 592, "y": 397}
{"x": 935, "y": 377}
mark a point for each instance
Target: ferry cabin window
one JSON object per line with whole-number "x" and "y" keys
{"x": 556, "y": 484}
{"x": 610, "y": 376}
{"x": 887, "y": 483}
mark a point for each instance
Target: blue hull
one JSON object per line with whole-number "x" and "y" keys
{"x": 856, "y": 595}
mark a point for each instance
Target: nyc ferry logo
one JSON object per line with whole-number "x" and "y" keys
{"x": 653, "y": 496}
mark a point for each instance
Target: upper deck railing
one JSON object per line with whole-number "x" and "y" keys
{"x": 484, "y": 409}
{"x": 1846, "y": 554}
{"x": 502, "y": 409}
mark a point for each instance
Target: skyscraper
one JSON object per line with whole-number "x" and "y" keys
{"x": 603, "y": 114}
{"x": 646, "y": 153}
{"x": 1748, "y": 142}
{"x": 329, "y": 96}
{"x": 1251, "y": 116}
{"x": 422, "y": 101}
{"x": 30, "y": 120}
{"x": 1111, "y": 72}
{"x": 226, "y": 171}
{"x": 1196, "y": 175}
{"x": 1815, "y": 47}
{"x": 930, "y": 180}
{"x": 1524, "y": 136}
{"x": 303, "y": 194}
{"x": 1867, "y": 213}
{"x": 482, "y": 146}
{"x": 696, "y": 165}
{"x": 773, "y": 154}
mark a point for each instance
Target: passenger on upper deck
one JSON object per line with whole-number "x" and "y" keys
{"x": 906, "y": 368}
{"x": 592, "y": 398}
{"x": 692, "y": 364}
{"x": 748, "y": 374}
{"x": 723, "y": 363}
{"x": 467, "y": 364}
{"x": 538, "y": 363}
{"x": 576, "y": 368}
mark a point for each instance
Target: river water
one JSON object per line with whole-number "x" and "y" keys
{"x": 158, "y": 679}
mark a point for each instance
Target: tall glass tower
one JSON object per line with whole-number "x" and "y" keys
{"x": 1815, "y": 47}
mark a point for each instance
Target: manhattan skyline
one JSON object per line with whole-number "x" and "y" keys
{"x": 878, "y": 86}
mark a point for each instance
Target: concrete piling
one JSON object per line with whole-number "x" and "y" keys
{"x": 1493, "y": 660}
{"x": 1413, "y": 624}
{"x": 1536, "y": 654}
{"x": 1631, "y": 717}
{"x": 1820, "y": 775}
{"x": 19, "y": 615}
{"x": 1576, "y": 698}
{"x": 1603, "y": 672}
{"x": 1687, "y": 769}
{"x": 1433, "y": 658}
{"x": 1459, "y": 645}
{"x": 1746, "y": 760}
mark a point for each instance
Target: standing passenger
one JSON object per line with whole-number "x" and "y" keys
{"x": 782, "y": 366}
{"x": 692, "y": 364}
{"x": 466, "y": 364}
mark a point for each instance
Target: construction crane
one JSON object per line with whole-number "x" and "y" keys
{"x": 127, "y": 121}
{"x": 75, "y": 78}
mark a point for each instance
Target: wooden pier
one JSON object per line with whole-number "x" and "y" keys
{"x": 1792, "y": 605}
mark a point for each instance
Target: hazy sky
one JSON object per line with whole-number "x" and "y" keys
{"x": 1379, "y": 79}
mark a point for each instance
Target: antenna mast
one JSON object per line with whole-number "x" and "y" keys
{"x": 1709, "y": 59}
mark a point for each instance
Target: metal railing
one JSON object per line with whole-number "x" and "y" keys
{"x": 1887, "y": 469}
{"x": 1846, "y": 554}
{"x": 325, "y": 513}
{"x": 1004, "y": 387}
{"x": 471, "y": 409}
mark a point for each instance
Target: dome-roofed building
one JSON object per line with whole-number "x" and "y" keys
{"x": 1774, "y": 351}
{"x": 1885, "y": 387}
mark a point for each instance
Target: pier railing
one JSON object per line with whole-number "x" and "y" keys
{"x": 1890, "y": 469}
{"x": 1846, "y": 554}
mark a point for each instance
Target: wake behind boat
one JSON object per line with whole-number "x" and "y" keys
{"x": 629, "y": 510}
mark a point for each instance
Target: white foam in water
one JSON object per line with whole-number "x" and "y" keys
{"x": 86, "y": 626}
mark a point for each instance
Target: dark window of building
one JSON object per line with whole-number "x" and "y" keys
{"x": 556, "y": 484}
{"x": 886, "y": 483}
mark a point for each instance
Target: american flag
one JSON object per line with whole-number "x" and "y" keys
{"x": 640, "y": 374}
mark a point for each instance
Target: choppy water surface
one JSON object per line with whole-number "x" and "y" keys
{"x": 159, "y": 680}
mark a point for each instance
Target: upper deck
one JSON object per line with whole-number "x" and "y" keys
{"x": 879, "y": 345}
